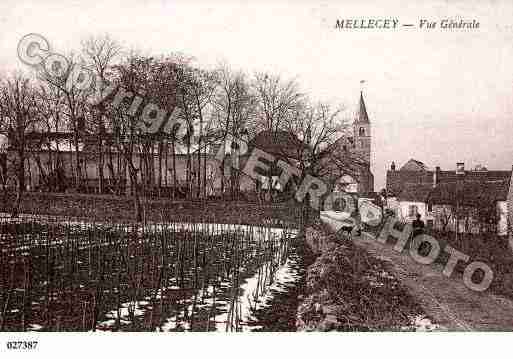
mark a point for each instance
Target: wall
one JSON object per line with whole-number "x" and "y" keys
{"x": 393, "y": 204}
{"x": 421, "y": 209}
{"x": 502, "y": 225}
{"x": 67, "y": 159}
{"x": 442, "y": 212}
{"x": 471, "y": 225}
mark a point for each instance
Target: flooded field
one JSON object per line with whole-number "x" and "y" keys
{"x": 65, "y": 276}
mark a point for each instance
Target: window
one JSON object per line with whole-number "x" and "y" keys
{"x": 339, "y": 205}
{"x": 412, "y": 210}
{"x": 361, "y": 131}
{"x": 210, "y": 170}
{"x": 430, "y": 207}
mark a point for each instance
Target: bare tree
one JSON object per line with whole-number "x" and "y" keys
{"x": 18, "y": 114}
{"x": 234, "y": 113}
{"x": 202, "y": 87}
{"x": 131, "y": 75}
{"x": 277, "y": 99}
{"x": 164, "y": 94}
{"x": 4, "y": 174}
{"x": 320, "y": 130}
{"x": 100, "y": 53}
{"x": 187, "y": 97}
{"x": 50, "y": 102}
{"x": 139, "y": 77}
{"x": 73, "y": 109}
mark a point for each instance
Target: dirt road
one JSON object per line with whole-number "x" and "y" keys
{"x": 446, "y": 300}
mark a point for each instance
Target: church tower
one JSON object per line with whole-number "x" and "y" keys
{"x": 362, "y": 131}
{"x": 362, "y": 147}
{"x": 361, "y": 180}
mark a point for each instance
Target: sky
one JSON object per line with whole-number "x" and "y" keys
{"x": 439, "y": 96}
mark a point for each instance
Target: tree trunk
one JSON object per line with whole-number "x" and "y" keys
{"x": 222, "y": 177}
{"x": 160, "y": 149}
{"x": 137, "y": 197}
{"x": 78, "y": 172}
{"x": 100, "y": 164}
{"x": 174, "y": 168}
{"x": 189, "y": 169}
{"x": 20, "y": 174}
{"x": 166, "y": 166}
{"x": 198, "y": 182}
{"x": 205, "y": 175}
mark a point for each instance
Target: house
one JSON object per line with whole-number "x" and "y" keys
{"x": 464, "y": 200}
{"x": 413, "y": 200}
{"x": 282, "y": 145}
{"x": 411, "y": 175}
{"x": 471, "y": 206}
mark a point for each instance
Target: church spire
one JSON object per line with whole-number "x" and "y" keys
{"x": 361, "y": 116}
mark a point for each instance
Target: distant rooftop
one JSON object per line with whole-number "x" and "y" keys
{"x": 417, "y": 174}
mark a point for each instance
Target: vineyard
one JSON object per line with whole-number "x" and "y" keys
{"x": 82, "y": 276}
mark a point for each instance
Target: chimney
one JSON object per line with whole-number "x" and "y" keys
{"x": 460, "y": 168}
{"x": 392, "y": 167}
{"x": 436, "y": 176}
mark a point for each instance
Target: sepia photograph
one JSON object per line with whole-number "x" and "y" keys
{"x": 228, "y": 169}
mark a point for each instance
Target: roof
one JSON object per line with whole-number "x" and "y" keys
{"x": 469, "y": 193}
{"x": 369, "y": 195}
{"x": 361, "y": 116}
{"x": 278, "y": 143}
{"x": 415, "y": 192}
{"x": 414, "y": 165}
{"x": 397, "y": 180}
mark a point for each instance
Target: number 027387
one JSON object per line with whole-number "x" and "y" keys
{"x": 22, "y": 345}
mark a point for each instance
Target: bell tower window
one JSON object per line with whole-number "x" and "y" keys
{"x": 361, "y": 131}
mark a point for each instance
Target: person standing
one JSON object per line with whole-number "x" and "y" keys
{"x": 418, "y": 226}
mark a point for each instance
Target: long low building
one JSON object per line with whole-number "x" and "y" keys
{"x": 87, "y": 161}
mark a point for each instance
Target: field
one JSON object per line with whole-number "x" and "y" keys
{"x": 82, "y": 276}
{"x": 116, "y": 209}
{"x": 491, "y": 249}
